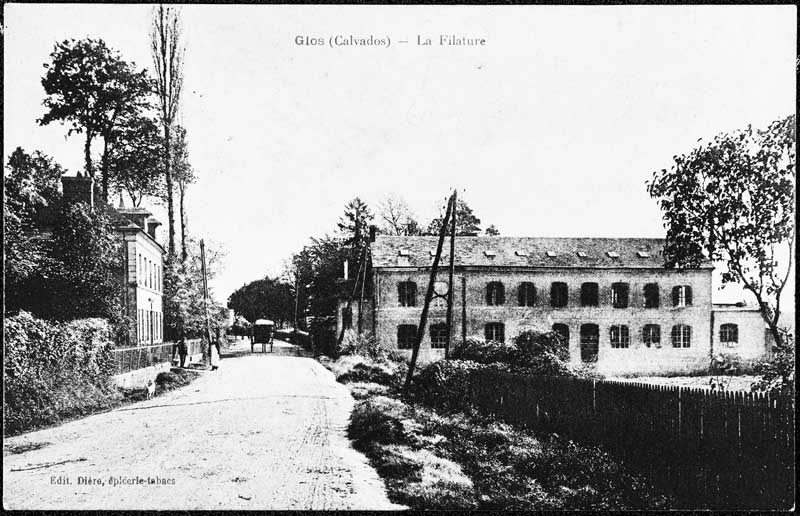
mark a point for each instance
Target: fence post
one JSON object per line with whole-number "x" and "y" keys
{"x": 594, "y": 396}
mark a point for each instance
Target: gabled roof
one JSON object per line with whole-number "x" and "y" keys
{"x": 493, "y": 251}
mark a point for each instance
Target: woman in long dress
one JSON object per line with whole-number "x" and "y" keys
{"x": 215, "y": 352}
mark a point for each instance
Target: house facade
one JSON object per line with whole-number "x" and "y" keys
{"x": 612, "y": 300}
{"x": 141, "y": 279}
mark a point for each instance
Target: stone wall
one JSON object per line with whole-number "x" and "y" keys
{"x": 751, "y": 327}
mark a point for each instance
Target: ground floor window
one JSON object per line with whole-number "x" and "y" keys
{"x": 651, "y": 335}
{"x": 406, "y": 336}
{"x": 620, "y": 336}
{"x": 729, "y": 335}
{"x": 562, "y": 332}
{"x": 590, "y": 339}
{"x": 495, "y": 331}
{"x": 681, "y": 336}
{"x": 439, "y": 335}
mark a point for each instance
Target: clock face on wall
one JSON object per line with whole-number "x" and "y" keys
{"x": 440, "y": 288}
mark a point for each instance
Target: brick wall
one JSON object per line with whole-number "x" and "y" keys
{"x": 637, "y": 359}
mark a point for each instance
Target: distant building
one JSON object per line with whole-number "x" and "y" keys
{"x": 141, "y": 284}
{"x": 612, "y": 299}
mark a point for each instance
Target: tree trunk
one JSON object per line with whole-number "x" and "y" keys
{"x": 170, "y": 206}
{"x": 105, "y": 170}
{"x": 182, "y": 192}
{"x": 87, "y": 153}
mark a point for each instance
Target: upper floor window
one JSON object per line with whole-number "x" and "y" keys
{"x": 681, "y": 336}
{"x": 439, "y": 335}
{"x": 651, "y": 335}
{"x": 558, "y": 294}
{"x": 589, "y": 295}
{"x": 619, "y": 295}
{"x": 651, "y": 295}
{"x": 407, "y": 293}
{"x": 495, "y": 293}
{"x": 729, "y": 335}
{"x": 406, "y": 336}
{"x": 495, "y": 331}
{"x": 620, "y": 336}
{"x": 527, "y": 294}
{"x": 562, "y": 332}
{"x": 682, "y": 295}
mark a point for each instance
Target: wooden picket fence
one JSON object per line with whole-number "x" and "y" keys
{"x": 711, "y": 450}
{"x": 128, "y": 359}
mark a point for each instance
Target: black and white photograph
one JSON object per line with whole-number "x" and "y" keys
{"x": 399, "y": 257}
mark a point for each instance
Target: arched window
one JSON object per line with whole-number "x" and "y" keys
{"x": 495, "y": 293}
{"x": 558, "y": 294}
{"x": 495, "y": 331}
{"x": 526, "y": 294}
{"x": 406, "y": 336}
{"x": 562, "y": 331}
{"x": 729, "y": 335}
{"x": 682, "y": 295}
{"x": 590, "y": 339}
{"x": 407, "y": 293}
{"x": 651, "y": 295}
{"x": 589, "y": 295}
{"x": 619, "y": 295}
{"x": 651, "y": 335}
{"x": 681, "y": 336}
{"x": 619, "y": 336}
{"x": 439, "y": 335}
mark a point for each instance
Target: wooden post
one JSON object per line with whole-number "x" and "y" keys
{"x": 464, "y": 308}
{"x": 451, "y": 270}
{"x": 424, "y": 317}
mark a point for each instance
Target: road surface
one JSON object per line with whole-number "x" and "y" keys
{"x": 262, "y": 432}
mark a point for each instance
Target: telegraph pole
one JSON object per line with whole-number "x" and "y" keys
{"x": 205, "y": 295}
{"x": 450, "y": 277}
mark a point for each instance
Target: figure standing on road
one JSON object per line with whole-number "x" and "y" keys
{"x": 183, "y": 350}
{"x": 215, "y": 351}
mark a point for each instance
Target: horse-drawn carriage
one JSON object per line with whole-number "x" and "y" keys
{"x": 262, "y": 334}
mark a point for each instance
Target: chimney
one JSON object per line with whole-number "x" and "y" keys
{"x": 152, "y": 224}
{"x": 78, "y": 189}
{"x": 372, "y": 230}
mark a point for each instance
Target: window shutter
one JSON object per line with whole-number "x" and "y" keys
{"x": 688, "y": 295}
{"x": 675, "y": 296}
{"x": 489, "y": 294}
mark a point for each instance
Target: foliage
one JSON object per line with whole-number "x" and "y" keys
{"x": 492, "y": 231}
{"x": 355, "y": 343}
{"x": 31, "y": 186}
{"x": 397, "y": 218}
{"x": 732, "y": 200}
{"x": 184, "y": 175}
{"x": 266, "y": 298}
{"x": 354, "y": 223}
{"x": 536, "y": 352}
{"x": 54, "y": 370}
{"x": 92, "y": 88}
{"x": 315, "y": 270}
{"x": 466, "y": 221}
{"x": 445, "y": 384}
{"x": 778, "y": 372}
{"x": 481, "y": 351}
{"x": 135, "y": 164}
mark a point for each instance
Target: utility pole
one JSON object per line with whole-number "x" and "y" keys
{"x": 205, "y": 295}
{"x": 450, "y": 277}
{"x": 296, "y": 296}
{"x": 429, "y": 294}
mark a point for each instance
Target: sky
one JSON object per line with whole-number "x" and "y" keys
{"x": 550, "y": 128}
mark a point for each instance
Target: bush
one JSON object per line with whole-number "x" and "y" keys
{"x": 480, "y": 351}
{"x": 379, "y": 420}
{"x": 445, "y": 383}
{"x": 54, "y": 370}
{"x": 169, "y": 380}
{"x": 355, "y": 343}
{"x": 533, "y": 351}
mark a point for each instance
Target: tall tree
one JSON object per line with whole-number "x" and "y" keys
{"x": 466, "y": 221}
{"x": 397, "y": 218}
{"x": 265, "y": 298}
{"x": 731, "y": 200}
{"x": 184, "y": 176}
{"x": 92, "y": 88}
{"x": 134, "y": 162}
{"x": 168, "y": 51}
{"x": 492, "y": 231}
{"x": 354, "y": 223}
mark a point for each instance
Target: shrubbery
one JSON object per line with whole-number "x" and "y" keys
{"x": 542, "y": 353}
{"x": 354, "y": 343}
{"x": 54, "y": 370}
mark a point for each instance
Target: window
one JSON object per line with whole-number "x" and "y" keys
{"x": 495, "y": 293}
{"x": 527, "y": 294}
{"x": 558, "y": 295}
{"x": 620, "y": 336}
{"x": 651, "y": 295}
{"x": 590, "y": 338}
{"x": 729, "y": 335}
{"x": 347, "y": 317}
{"x": 495, "y": 331}
{"x": 651, "y": 335}
{"x": 439, "y": 335}
{"x": 681, "y": 336}
{"x": 589, "y": 294}
{"x": 682, "y": 296}
{"x": 619, "y": 295}
{"x": 562, "y": 331}
{"x": 406, "y": 336}
{"x": 407, "y": 293}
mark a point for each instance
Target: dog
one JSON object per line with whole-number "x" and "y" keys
{"x": 151, "y": 389}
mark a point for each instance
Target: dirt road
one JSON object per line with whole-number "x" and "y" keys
{"x": 262, "y": 432}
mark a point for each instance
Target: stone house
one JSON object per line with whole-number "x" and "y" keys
{"x": 141, "y": 279}
{"x": 611, "y": 299}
